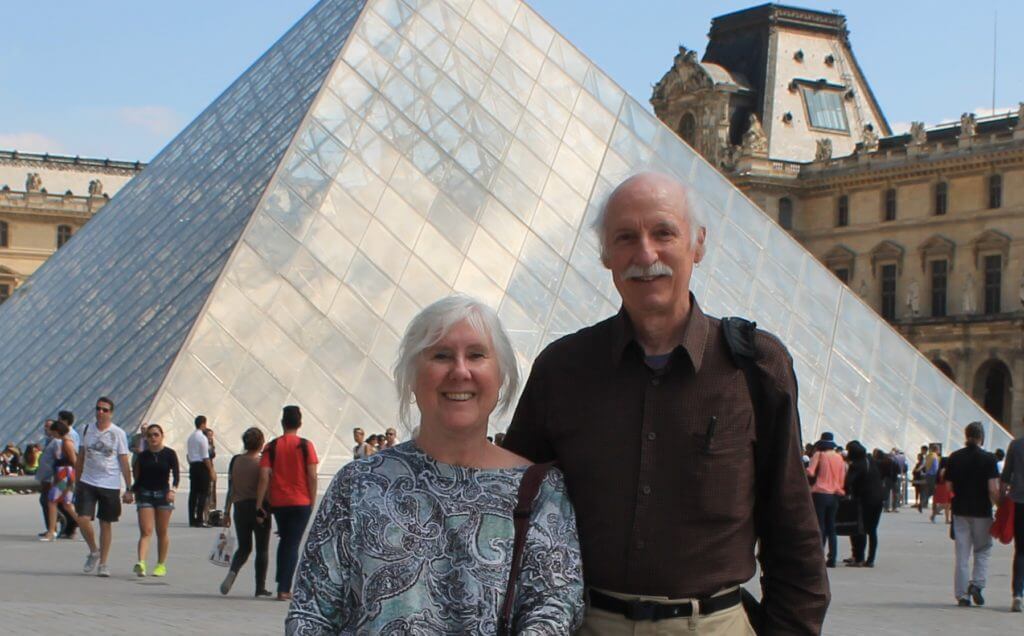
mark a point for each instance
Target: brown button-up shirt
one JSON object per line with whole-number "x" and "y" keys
{"x": 660, "y": 466}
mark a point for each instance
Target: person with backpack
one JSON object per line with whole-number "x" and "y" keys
{"x": 243, "y": 481}
{"x": 679, "y": 436}
{"x": 288, "y": 482}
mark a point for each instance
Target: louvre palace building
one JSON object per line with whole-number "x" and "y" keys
{"x": 380, "y": 156}
{"x": 925, "y": 226}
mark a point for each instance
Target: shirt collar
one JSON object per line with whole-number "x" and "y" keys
{"x": 693, "y": 341}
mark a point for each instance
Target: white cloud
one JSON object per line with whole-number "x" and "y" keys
{"x": 981, "y": 111}
{"x": 900, "y": 127}
{"x": 156, "y": 120}
{"x": 31, "y": 142}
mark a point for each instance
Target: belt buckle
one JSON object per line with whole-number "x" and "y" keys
{"x": 637, "y": 610}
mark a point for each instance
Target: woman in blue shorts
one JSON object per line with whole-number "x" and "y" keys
{"x": 154, "y": 497}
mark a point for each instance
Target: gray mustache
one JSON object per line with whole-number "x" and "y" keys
{"x": 654, "y": 269}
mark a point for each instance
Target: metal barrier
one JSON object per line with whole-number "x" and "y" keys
{"x": 21, "y": 483}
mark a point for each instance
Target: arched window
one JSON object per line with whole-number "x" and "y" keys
{"x": 941, "y": 198}
{"x": 993, "y": 387}
{"x": 995, "y": 191}
{"x": 3, "y": 234}
{"x": 63, "y": 235}
{"x": 688, "y": 128}
{"x": 843, "y": 211}
{"x": 786, "y": 213}
{"x": 890, "y": 204}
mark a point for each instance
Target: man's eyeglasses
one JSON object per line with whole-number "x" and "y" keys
{"x": 103, "y": 409}
{"x": 152, "y": 434}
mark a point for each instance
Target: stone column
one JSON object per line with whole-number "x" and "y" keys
{"x": 1013, "y": 420}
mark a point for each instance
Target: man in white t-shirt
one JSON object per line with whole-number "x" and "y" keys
{"x": 102, "y": 463}
{"x": 200, "y": 473}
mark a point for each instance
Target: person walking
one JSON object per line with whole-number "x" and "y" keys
{"x": 828, "y": 472}
{"x": 156, "y": 483}
{"x": 200, "y": 473}
{"x": 102, "y": 459}
{"x": 243, "y": 481}
{"x": 288, "y": 483}
{"x": 932, "y": 465}
{"x": 864, "y": 482}
{"x": 1013, "y": 487}
{"x": 971, "y": 473}
{"x": 61, "y": 462}
{"x": 70, "y": 520}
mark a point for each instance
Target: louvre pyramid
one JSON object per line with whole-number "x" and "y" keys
{"x": 379, "y": 156}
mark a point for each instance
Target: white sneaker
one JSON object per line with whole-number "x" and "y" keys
{"x": 104, "y": 571}
{"x": 1017, "y": 605}
{"x": 90, "y": 562}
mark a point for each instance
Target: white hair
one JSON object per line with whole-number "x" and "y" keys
{"x": 694, "y": 214}
{"x": 432, "y": 324}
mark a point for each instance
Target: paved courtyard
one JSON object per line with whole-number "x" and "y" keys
{"x": 42, "y": 587}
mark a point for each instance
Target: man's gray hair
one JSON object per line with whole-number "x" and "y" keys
{"x": 694, "y": 213}
{"x": 432, "y": 324}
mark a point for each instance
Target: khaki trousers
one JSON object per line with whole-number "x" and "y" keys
{"x": 728, "y": 622}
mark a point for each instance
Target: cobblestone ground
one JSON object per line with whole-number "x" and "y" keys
{"x": 42, "y": 588}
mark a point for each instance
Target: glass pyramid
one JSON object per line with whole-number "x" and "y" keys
{"x": 381, "y": 155}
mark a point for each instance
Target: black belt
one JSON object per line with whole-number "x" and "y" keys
{"x": 636, "y": 610}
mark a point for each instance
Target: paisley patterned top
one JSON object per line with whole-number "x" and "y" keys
{"x": 403, "y": 544}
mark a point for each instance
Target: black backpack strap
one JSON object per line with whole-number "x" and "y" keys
{"x": 528, "y": 489}
{"x": 739, "y": 334}
{"x": 269, "y": 450}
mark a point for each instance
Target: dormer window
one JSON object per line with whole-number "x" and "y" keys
{"x": 825, "y": 108}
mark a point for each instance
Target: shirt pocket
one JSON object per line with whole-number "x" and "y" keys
{"x": 721, "y": 470}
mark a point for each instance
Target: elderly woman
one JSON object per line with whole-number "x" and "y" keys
{"x": 418, "y": 537}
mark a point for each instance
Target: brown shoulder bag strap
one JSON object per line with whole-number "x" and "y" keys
{"x": 528, "y": 489}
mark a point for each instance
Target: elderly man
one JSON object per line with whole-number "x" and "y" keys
{"x": 674, "y": 470}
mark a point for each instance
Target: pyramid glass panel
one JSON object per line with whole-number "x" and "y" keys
{"x": 381, "y": 155}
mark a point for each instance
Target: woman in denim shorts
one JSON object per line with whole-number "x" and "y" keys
{"x": 154, "y": 496}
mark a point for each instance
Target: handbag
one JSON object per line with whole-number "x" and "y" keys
{"x": 1003, "y": 527}
{"x": 849, "y": 518}
{"x": 223, "y": 548}
{"x": 529, "y": 486}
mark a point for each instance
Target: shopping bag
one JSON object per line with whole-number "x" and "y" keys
{"x": 1002, "y": 527}
{"x": 223, "y": 548}
{"x": 849, "y": 519}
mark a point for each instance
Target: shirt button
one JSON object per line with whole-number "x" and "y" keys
{"x": 655, "y": 381}
{"x": 646, "y": 489}
{"x": 652, "y": 436}
{"x": 640, "y": 544}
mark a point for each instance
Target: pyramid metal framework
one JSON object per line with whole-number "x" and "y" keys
{"x": 381, "y": 155}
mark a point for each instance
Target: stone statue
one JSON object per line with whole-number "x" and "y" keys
{"x": 967, "y": 124}
{"x": 1020, "y": 116}
{"x": 33, "y": 183}
{"x": 969, "y": 301}
{"x": 870, "y": 138}
{"x": 755, "y": 142}
{"x": 1020, "y": 290}
{"x": 918, "y": 137}
{"x": 914, "y": 298}
{"x": 95, "y": 188}
{"x": 824, "y": 150}
{"x": 862, "y": 291}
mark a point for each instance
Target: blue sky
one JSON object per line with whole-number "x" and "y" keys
{"x": 120, "y": 78}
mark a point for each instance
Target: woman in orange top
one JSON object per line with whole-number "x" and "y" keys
{"x": 827, "y": 471}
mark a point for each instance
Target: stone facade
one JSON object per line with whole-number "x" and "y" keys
{"x": 44, "y": 201}
{"x": 927, "y": 227}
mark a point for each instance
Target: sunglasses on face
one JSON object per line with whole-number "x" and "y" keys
{"x": 152, "y": 434}
{"x": 102, "y": 409}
